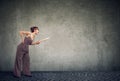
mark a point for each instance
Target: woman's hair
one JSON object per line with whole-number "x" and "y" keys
{"x": 34, "y": 28}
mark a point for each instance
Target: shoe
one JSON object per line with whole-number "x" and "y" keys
{"x": 27, "y": 75}
{"x": 16, "y": 76}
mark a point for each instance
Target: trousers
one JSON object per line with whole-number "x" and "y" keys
{"x": 22, "y": 62}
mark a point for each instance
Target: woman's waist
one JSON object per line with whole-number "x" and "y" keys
{"x": 23, "y": 43}
{"x": 23, "y": 47}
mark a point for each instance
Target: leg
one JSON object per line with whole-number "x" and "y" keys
{"x": 26, "y": 64}
{"x": 18, "y": 63}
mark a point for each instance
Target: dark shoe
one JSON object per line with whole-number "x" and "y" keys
{"x": 16, "y": 76}
{"x": 28, "y": 75}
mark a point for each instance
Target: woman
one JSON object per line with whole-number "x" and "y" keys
{"x": 22, "y": 61}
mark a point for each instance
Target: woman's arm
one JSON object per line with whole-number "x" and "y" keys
{"x": 23, "y": 33}
{"x": 37, "y": 42}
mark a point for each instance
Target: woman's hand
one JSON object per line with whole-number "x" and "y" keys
{"x": 38, "y": 42}
{"x": 23, "y": 33}
{"x": 23, "y": 41}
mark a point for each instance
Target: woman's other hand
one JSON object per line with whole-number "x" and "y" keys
{"x": 22, "y": 41}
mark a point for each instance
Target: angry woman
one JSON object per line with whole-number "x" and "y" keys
{"x": 22, "y": 60}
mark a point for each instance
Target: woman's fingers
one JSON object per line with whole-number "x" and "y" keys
{"x": 22, "y": 41}
{"x": 38, "y": 42}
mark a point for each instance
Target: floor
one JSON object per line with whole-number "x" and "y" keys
{"x": 63, "y": 76}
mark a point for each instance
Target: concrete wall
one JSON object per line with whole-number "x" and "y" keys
{"x": 84, "y": 34}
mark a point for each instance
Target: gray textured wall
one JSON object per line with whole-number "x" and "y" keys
{"x": 84, "y": 34}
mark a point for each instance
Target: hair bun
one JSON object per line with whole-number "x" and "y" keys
{"x": 33, "y": 28}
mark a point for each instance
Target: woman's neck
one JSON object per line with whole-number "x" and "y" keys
{"x": 33, "y": 34}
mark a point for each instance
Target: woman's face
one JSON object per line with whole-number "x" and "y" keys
{"x": 36, "y": 31}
